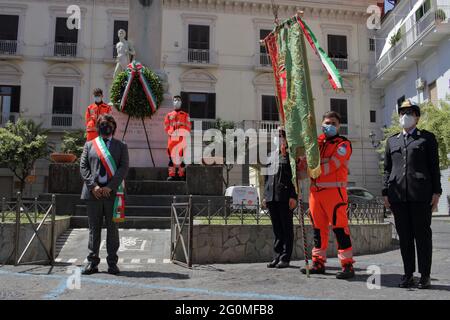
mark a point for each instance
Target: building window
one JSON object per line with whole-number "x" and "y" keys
{"x": 118, "y": 24}
{"x": 264, "y": 59}
{"x": 62, "y": 106}
{"x": 340, "y": 106}
{"x": 373, "y": 116}
{"x": 400, "y": 101}
{"x": 337, "y": 50}
{"x": 371, "y": 44}
{"x": 66, "y": 40}
{"x": 199, "y": 105}
{"x": 9, "y": 29}
{"x": 198, "y": 43}
{"x": 9, "y": 103}
{"x": 269, "y": 108}
{"x": 423, "y": 9}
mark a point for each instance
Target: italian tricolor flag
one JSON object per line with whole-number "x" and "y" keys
{"x": 333, "y": 74}
{"x": 111, "y": 168}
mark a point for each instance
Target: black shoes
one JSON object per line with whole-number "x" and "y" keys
{"x": 282, "y": 265}
{"x": 171, "y": 179}
{"x": 317, "y": 268}
{"x": 346, "y": 273}
{"x": 273, "y": 264}
{"x": 278, "y": 264}
{"x": 113, "y": 269}
{"x": 424, "y": 283}
{"x": 89, "y": 269}
{"x": 407, "y": 281}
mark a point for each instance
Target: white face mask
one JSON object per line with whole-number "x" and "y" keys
{"x": 177, "y": 104}
{"x": 98, "y": 99}
{"x": 407, "y": 121}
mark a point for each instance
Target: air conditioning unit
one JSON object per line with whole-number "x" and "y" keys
{"x": 420, "y": 84}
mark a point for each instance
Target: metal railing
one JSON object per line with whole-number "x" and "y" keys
{"x": 434, "y": 16}
{"x": 228, "y": 213}
{"x": 8, "y": 47}
{"x": 181, "y": 236}
{"x": 61, "y": 121}
{"x": 264, "y": 60}
{"x": 340, "y": 63}
{"x": 65, "y": 49}
{"x": 30, "y": 209}
{"x": 5, "y": 118}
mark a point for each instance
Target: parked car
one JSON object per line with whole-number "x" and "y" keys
{"x": 246, "y": 195}
{"x": 360, "y": 195}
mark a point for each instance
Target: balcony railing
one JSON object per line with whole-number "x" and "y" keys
{"x": 433, "y": 17}
{"x": 264, "y": 60}
{"x": 64, "y": 49}
{"x": 340, "y": 63}
{"x": 8, "y": 47}
{"x": 11, "y": 117}
{"x": 61, "y": 121}
{"x": 199, "y": 56}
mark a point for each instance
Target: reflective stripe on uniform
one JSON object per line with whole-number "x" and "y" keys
{"x": 326, "y": 168}
{"x": 331, "y": 184}
{"x": 337, "y": 162}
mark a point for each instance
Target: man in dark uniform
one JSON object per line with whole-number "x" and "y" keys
{"x": 281, "y": 199}
{"x": 412, "y": 189}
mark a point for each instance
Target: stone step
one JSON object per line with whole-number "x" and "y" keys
{"x": 130, "y": 222}
{"x": 158, "y": 173}
{"x": 155, "y": 187}
{"x": 132, "y": 210}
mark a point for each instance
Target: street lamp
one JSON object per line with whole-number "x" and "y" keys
{"x": 372, "y": 137}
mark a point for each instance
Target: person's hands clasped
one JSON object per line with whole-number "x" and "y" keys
{"x": 97, "y": 192}
{"x": 106, "y": 192}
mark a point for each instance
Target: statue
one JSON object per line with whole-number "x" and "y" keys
{"x": 125, "y": 53}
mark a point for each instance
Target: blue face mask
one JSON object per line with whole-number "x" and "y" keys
{"x": 329, "y": 130}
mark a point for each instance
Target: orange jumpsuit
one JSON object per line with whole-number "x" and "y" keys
{"x": 328, "y": 199}
{"x": 176, "y": 120}
{"x": 92, "y": 113}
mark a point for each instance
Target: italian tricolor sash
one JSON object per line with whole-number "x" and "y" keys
{"x": 111, "y": 168}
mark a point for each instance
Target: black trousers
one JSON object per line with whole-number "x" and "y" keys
{"x": 96, "y": 210}
{"x": 413, "y": 224}
{"x": 283, "y": 229}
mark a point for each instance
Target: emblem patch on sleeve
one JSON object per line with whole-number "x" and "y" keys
{"x": 342, "y": 150}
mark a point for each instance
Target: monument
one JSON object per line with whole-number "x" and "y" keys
{"x": 145, "y": 32}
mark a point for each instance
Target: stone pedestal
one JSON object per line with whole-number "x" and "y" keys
{"x": 136, "y": 141}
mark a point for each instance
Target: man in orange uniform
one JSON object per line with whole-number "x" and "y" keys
{"x": 93, "y": 112}
{"x": 177, "y": 123}
{"x": 328, "y": 198}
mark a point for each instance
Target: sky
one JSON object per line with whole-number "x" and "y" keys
{"x": 388, "y": 5}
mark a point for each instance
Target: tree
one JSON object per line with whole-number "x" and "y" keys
{"x": 223, "y": 126}
{"x": 21, "y": 145}
{"x": 434, "y": 119}
{"x": 73, "y": 142}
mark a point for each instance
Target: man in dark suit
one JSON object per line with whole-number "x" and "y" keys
{"x": 412, "y": 189}
{"x": 281, "y": 199}
{"x": 99, "y": 191}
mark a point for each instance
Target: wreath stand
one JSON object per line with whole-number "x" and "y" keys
{"x": 146, "y": 136}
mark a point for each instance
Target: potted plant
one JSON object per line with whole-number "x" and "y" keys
{"x": 71, "y": 147}
{"x": 440, "y": 15}
{"x": 396, "y": 37}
